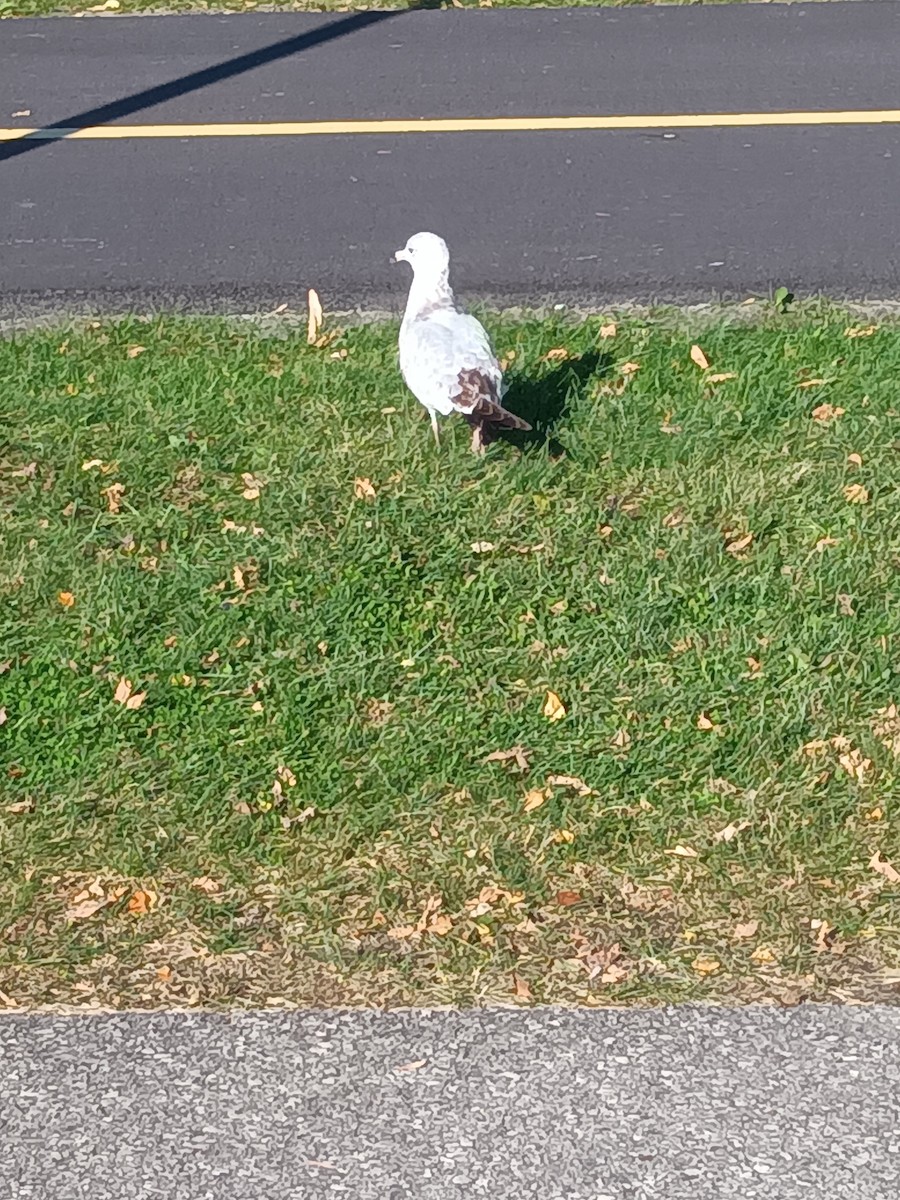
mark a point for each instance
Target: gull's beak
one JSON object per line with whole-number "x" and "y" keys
{"x": 399, "y": 256}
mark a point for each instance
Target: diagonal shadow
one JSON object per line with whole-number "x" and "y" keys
{"x": 544, "y": 399}
{"x": 196, "y": 80}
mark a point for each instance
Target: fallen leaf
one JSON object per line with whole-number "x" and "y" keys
{"x": 66, "y": 599}
{"x": 164, "y": 974}
{"x": 855, "y": 459}
{"x": 703, "y": 722}
{"x": 252, "y": 486}
{"x": 203, "y": 883}
{"x": 763, "y": 956}
{"x": 141, "y": 902}
{"x": 483, "y": 547}
{"x": 85, "y": 908}
{"x": 855, "y": 765}
{"x": 113, "y": 495}
{"x": 608, "y": 330}
{"x": 668, "y": 426}
{"x": 614, "y": 973}
{"x": 824, "y": 543}
{"x": 406, "y": 1068}
{"x": 29, "y": 471}
{"x": 562, "y": 837}
{"x": 745, "y": 930}
{"x": 134, "y": 351}
{"x": 517, "y": 754}
{"x": 683, "y": 852}
{"x": 106, "y": 6}
{"x": 237, "y": 577}
{"x": 123, "y": 691}
{"x": 536, "y": 798}
{"x": 558, "y": 354}
{"x": 808, "y": 383}
{"x": 705, "y": 965}
{"x": 570, "y": 781}
{"x": 21, "y": 806}
{"x": 554, "y": 709}
{"x": 699, "y": 358}
{"x": 855, "y": 493}
{"x": 441, "y": 925}
{"x": 629, "y": 368}
{"x": 730, "y": 832}
{"x": 520, "y": 988}
{"x": 314, "y": 321}
{"x": 754, "y": 667}
{"x": 826, "y": 412}
{"x": 720, "y": 376}
{"x": 621, "y": 740}
{"x": 883, "y": 867}
{"x": 566, "y": 899}
{"x": 825, "y": 934}
{"x": 363, "y": 489}
{"x": 845, "y": 604}
{"x": 859, "y": 331}
{"x": 3, "y": 716}
{"x": 875, "y": 814}
{"x": 673, "y": 519}
{"x": 739, "y": 545}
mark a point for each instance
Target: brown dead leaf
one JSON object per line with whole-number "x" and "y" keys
{"x": 566, "y": 899}
{"x": 123, "y": 691}
{"x": 440, "y": 925}
{"x": 763, "y": 956}
{"x": 315, "y": 318}
{"x": 66, "y": 599}
{"x": 629, "y": 368}
{"x": 860, "y": 331}
{"x": 699, "y": 358}
{"x": 883, "y": 867}
{"x": 20, "y": 807}
{"x": 520, "y": 988}
{"x": 141, "y": 902}
{"x": 673, "y": 519}
{"x": 553, "y": 709}
{"x": 536, "y": 798}
{"x": 113, "y": 495}
{"x": 825, "y": 543}
{"x": 363, "y": 489}
{"x": 557, "y": 354}
{"x": 83, "y": 909}
{"x": 572, "y": 782}
{"x": 730, "y": 832}
{"x": 683, "y": 852}
{"x": 608, "y": 330}
{"x": 825, "y": 934}
{"x": 856, "y": 766}
{"x": 704, "y": 722}
{"x": 739, "y": 544}
{"x": 203, "y": 883}
{"x": 621, "y": 740}
{"x": 134, "y": 351}
{"x": 855, "y": 460}
{"x": 517, "y": 755}
{"x": 826, "y": 412}
{"x": 746, "y": 929}
{"x": 705, "y": 965}
{"x": 855, "y": 493}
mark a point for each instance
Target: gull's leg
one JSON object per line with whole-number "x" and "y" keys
{"x": 434, "y": 428}
{"x": 478, "y": 437}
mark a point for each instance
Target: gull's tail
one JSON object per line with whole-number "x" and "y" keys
{"x": 479, "y": 402}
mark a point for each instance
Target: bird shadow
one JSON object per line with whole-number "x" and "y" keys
{"x": 544, "y": 399}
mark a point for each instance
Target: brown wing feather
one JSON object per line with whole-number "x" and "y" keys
{"x": 477, "y": 400}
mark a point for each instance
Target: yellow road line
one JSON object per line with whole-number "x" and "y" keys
{"x": 884, "y": 116}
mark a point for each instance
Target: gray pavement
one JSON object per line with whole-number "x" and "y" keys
{"x": 588, "y": 217}
{"x": 686, "y": 1104}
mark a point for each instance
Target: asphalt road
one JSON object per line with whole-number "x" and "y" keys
{"x": 698, "y": 1104}
{"x": 246, "y": 223}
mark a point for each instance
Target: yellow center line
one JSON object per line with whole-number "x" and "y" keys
{"x": 884, "y": 116}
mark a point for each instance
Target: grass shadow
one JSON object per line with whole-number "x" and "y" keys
{"x": 544, "y": 400}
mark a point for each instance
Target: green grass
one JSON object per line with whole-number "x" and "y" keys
{"x": 39, "y": 8}
{"x": 325, "y": 674}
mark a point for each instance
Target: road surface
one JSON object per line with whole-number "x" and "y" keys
{"x": 246, "y": 222}
{"x": 693, "y": 1104}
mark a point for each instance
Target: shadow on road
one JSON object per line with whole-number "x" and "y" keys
{"x": 149, "y": 97}
{"x": 544, "y": 400}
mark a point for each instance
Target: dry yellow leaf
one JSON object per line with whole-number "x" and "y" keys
{"x": 554, "y": 709}
{"x": 875, "y": 814}
{"x": 314, "y": 321}
{"x": 557, "y": 354}
{"x": 855, "y": 493}
{"x": 203, "y": 883}
{"x": 134, "y": 351}
{"x": 683, "y": 852}
{"x": 621, "y": 739}
{"x": 629, "y": 368}
{"x": 517, "y": 754}
{"x": 673, "y": 519}
{"x": 363, "y": 489}
{"x": 859, "y": 331}
{"x": 746, "y": 929}
{"x": 66, "y": 599}
{"x": 705, "y": 965}
{"x": 703, "y": 722}
{"x": 826, "y": 412}
{"x": 730, "y": 832}
{"x": 113, "y": 495}
{"x": 536, "y": 798}
{"x": 570, "y": 781}
{"x": 721, "y": 376}
{"x": 740, "y": 544}
{"x": 608, "y": 330}
{"x": 699, "y": 358}
{"x": 483, "y": 547}
{"x": 123, "y": 691}
{"x": 520, "y": 988}
{"x": 763, "y": 956}
{"x": 883, "y": 867}
{"x": 855, "y": 459}
{"x": 562, "y": 837}
{"x": 808, "y": 383}
{"x": 141, "y": 902}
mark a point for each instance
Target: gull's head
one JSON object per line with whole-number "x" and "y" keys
{"x": 427, "y": 254}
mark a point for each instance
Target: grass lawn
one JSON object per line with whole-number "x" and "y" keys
{"x": 295, "y": 708}
{"x": 39, "y": 8}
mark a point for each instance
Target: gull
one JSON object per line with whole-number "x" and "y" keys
{"x": 445, "y": 354}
